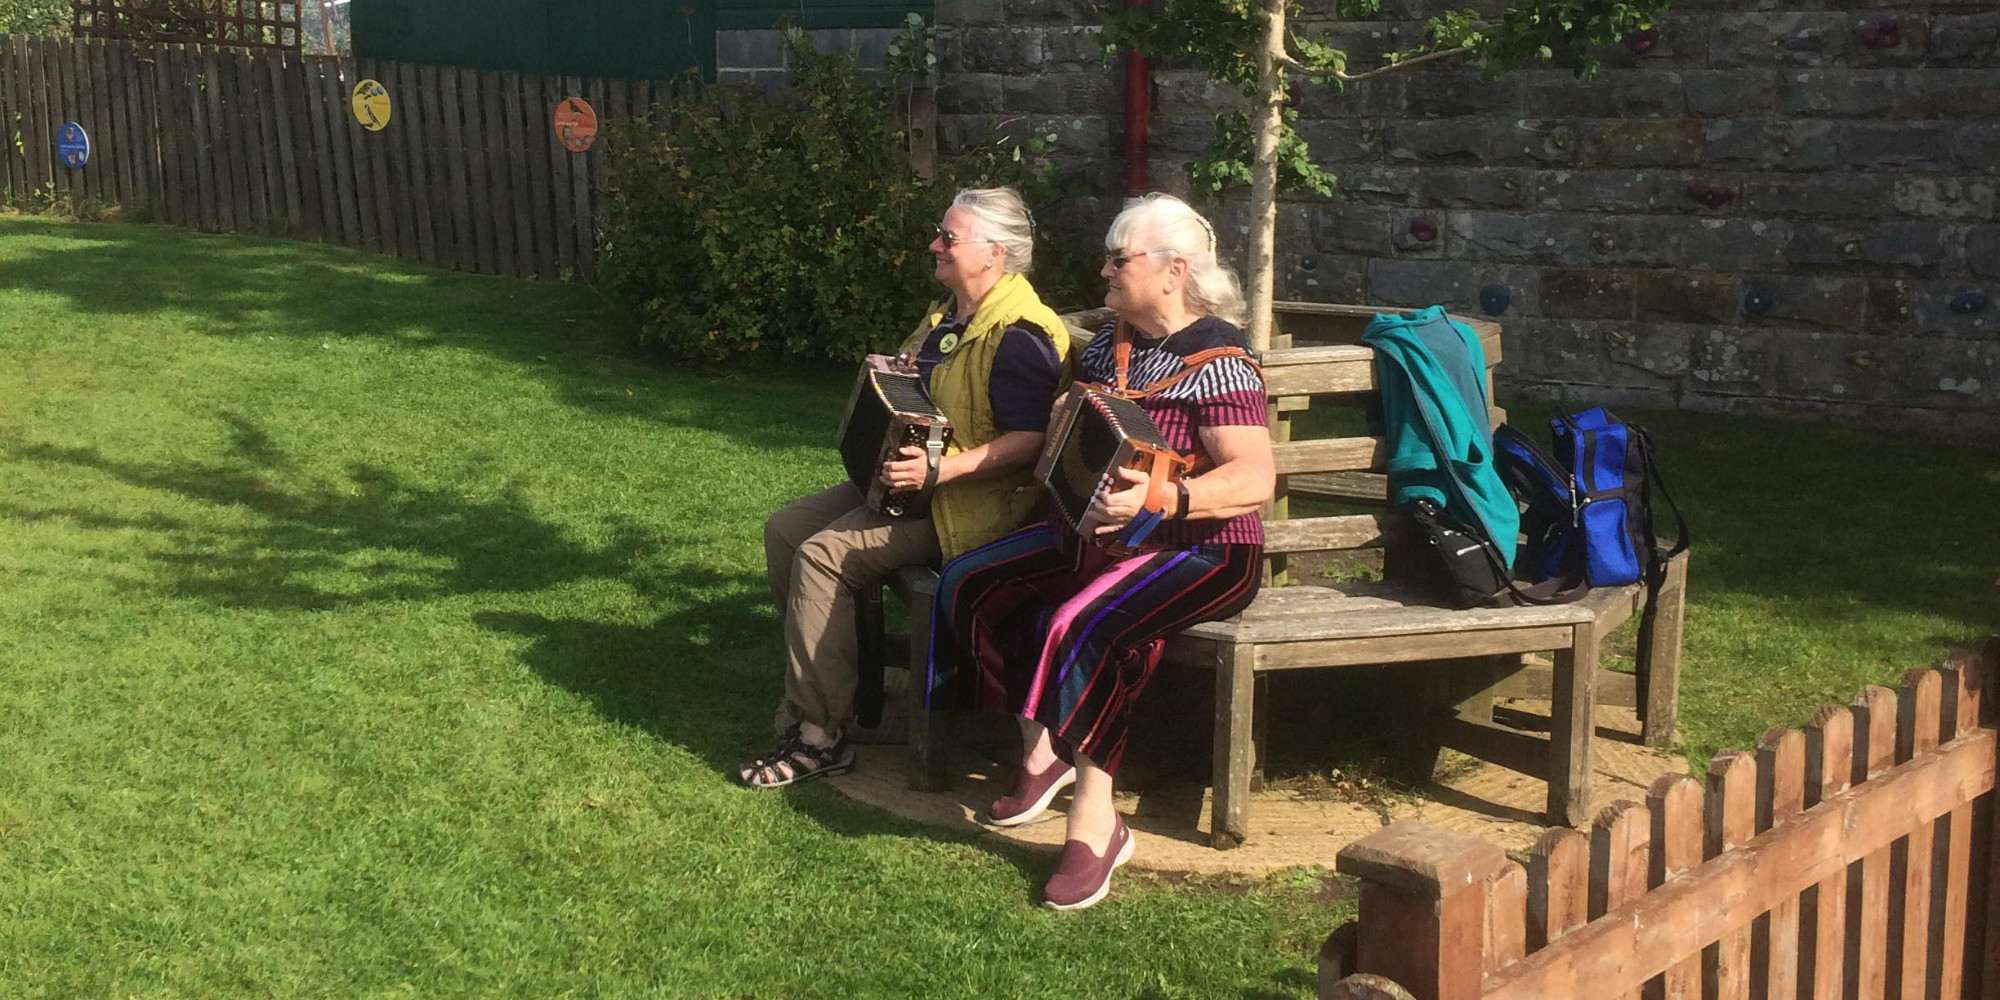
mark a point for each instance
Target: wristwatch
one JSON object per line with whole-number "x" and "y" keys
{"x": 1181, "y": 503}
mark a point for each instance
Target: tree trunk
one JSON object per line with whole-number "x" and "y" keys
{"x": 1262, "y": 262}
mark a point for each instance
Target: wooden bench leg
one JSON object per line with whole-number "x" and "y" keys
{"x": 868, "y": 629}
{"x": 930, "y": 732}
{"x": 1660, "y": 657}
{"x": 1235, "y": 747}
{"x": 1572, "y": 724}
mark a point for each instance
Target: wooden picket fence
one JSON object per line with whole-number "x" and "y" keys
{"x": 1853, "y": 861}
{"x": 469, "y": 173}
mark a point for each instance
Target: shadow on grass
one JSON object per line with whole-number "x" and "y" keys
{"x": 565, "y": 333}
{"x": 381, "y": 539}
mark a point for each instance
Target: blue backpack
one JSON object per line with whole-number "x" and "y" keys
{"x": 1588, "y": 517}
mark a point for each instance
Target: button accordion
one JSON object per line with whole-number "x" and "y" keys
{"x": 889, "y": 411}
{"x": 1094, "y": 434}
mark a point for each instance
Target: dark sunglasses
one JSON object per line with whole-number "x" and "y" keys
{"x": 952, "y": 239}
{"x": 1119, "y": 260}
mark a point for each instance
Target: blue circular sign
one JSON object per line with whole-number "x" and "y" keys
{"x": 73, "y": 145}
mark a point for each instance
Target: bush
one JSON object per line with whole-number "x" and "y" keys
{"x": 34, "y": 17}
{"x": 791, "y": 223}
{"x": 738, "y": 222}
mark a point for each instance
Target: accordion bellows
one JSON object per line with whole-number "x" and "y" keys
{"x": 889, "y": 411}
{"x": 1093, "y": 435}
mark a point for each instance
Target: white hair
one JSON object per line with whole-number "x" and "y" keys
{"x": 1004, "y": 219}
{"x": 1211, "y": 286}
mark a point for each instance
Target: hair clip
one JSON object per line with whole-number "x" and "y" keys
{"x": 1205, "y": 225}
{"x": 1031, "y": 217}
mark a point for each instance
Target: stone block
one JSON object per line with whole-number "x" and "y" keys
{"x": 1634, "y": 241}
{"x": 1982, "y": 253}
{"x": 990, "y": 50}
{"x": 1912, "y": 246}
{"x": 1377, "y": 97}
{"x": 1505, "y": 236}
{"x": 1616, "y": 191}
{"x": 1682, "y": 40}
{"x": 1187, "y": 136}
{"x": 1406, "y": 227}
{"x": 1436, "y": 142}
{"x": 1040, "y": 94}
{"x": 1976, "y": 147}
{"x": 1759, "y": 145}
{"x": 1437, "y": 92}
{"x": 1840, "y": 93}
{"x": 1913, "y": 39}
{"x": 1844, "y": 196}
{"x": 1536, "y": 141}
{"x": 1922, "y": 308}
{"x": 1952, "y": 374}
{"x": 1716, "y": 93}
{"x": 1688, "y": 297}
{"x": 1632, "y": 93}
{"x": 1729, "y": 358}
{"x": 1603, "y": 352}
{"x": 1824, "y": 301}
{"x": 1733, "y": 244}
{"x": 1670, "y": 142}
{"x": 1829, "y": 366}
{"x": 1386, "y": 185}
{"x": 1350, "y": 228}
{"x": 1952, "y": 93}
{"x": 1421, "y": 283}
{"x": 1480, "y": 187}
{"x": 1902, "y": 144}
{"x": 1071, "y": 46}
{"x": 871, "y": 46}
{"x": 957, "y": 13}
{"x": 970, "y": 93}
{"x": 1342, "y": 140}
{"x": 1965, "y": 39}
{"x": 1930, "y": 197}
{"x": 1789, "y": 38}
{"x": 1323, "y": 277}
{"x": 1046, "y": 12}
{"x": 1185, "y": 92}
{"x": 1587, "y": 294}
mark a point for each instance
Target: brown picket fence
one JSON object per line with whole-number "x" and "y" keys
{"x": 468, "y": 173}
{"x": 1853, "y": 860}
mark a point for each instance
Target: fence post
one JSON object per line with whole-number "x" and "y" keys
{"x": 1424, "y": 907}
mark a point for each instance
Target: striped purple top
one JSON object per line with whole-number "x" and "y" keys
{"x": 1225, "y": 392}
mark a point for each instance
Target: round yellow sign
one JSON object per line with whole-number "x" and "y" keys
{"x": 371, "y": 105}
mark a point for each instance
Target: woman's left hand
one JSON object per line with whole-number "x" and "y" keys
{"x": 907, "y": 472}
{"x": 1114, "y": 509}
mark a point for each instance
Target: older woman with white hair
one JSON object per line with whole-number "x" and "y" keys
{"x": 993, "y": 357}
{"x": 1062, "y": 633}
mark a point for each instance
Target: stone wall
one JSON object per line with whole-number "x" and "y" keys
{"x": 1772, "y": 211}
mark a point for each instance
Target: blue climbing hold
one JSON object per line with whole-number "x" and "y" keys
{"x": 1495, "y": 299}
{"x": 1758, "y": 301}
{"x": 1969, "y": 302}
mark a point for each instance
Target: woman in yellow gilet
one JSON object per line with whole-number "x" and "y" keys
{"x": 993, "y": 357}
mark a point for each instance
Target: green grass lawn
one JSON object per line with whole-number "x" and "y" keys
{"x": 372, "y": 631}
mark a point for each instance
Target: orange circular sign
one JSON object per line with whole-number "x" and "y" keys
{"x": 576, "y": 124}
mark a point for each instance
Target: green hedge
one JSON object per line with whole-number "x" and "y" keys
{"x": 741, "y": 223}
{"x": 34, "y": 17}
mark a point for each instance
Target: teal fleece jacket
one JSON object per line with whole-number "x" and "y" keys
{"x": 1434, "y": 407}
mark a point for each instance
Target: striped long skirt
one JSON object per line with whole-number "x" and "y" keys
{"x": 1038, "y": 624}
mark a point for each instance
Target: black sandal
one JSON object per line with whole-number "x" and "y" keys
{"x": 805, "y": 760}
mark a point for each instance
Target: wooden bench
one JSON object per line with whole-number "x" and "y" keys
{"x": 1393, "y": 620}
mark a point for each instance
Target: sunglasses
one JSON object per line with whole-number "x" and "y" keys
{"x": 951, "y": 239}
{"x": 1119, "y": 260}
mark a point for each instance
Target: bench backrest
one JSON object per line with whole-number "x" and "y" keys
{"x": 1317, "y": 363}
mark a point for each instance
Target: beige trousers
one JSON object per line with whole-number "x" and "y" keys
{"x": 816, "y": 550}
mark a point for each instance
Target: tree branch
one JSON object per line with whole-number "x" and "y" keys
{"x": 1405, "y": 64}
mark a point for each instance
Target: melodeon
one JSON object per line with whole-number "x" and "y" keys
{"x": 1094, "y": 434}
{"x": 890, "y": 411}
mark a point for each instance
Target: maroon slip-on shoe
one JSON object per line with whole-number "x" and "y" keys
{"x": 1083, "y": 877}
{"x": 1031, "y": 795}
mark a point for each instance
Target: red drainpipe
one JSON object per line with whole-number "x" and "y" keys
{"x": 1137, "y": 100}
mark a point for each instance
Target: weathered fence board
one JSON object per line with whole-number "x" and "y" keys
{"x": 1852, "y": 860}
{"x": 468, "y": 173}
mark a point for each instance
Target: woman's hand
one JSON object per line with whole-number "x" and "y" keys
{"x": 907, "y": 472}
{"x": 1112, "y": 509}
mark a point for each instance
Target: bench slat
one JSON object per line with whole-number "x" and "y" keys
{"x": 1387, "y": 619}
{"x": 1361, "y": 487}
{"x": 1347, "y": 531}
{"x": 1355, "y": 454}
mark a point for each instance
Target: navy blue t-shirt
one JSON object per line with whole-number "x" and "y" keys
{"x": 1022, "y": 390}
